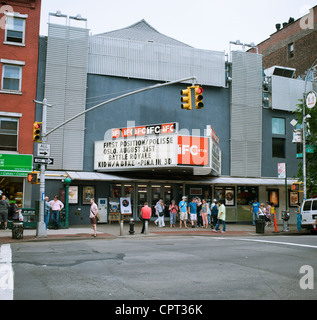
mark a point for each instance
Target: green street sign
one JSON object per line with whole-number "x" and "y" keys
{"x": 299, "y": 156}
{"x": 15, "y": 164}
{"x": 310, "y": 149}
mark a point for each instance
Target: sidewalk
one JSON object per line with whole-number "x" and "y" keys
{"x": 112, "y": 231}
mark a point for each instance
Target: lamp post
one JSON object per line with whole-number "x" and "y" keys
{"x": 67, "y": 182}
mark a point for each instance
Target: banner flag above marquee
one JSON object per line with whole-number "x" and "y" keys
{"x": 156, "y": 147}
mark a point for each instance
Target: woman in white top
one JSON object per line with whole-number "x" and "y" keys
{"x": 92, "y": 216}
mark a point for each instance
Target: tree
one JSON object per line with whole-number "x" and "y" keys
{"x": 311, "y": 139}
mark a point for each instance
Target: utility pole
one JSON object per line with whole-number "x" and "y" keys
{"x": 41, "y": 227}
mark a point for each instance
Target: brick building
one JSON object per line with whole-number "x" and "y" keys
{"x": 293, "y": 45}
{"x": 19, "y": 38}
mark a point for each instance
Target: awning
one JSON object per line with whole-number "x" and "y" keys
{"x": 224, "y": 180}
{"x": 95, "y": 176}
{"x": 251, "y": 181}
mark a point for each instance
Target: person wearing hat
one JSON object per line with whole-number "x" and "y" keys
{"x": 183, "y": 212}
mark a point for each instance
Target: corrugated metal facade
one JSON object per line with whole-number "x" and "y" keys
{"x": 246, "y": 115}
{"x": 154, "y": 61}
{"x": 65, "y": 89}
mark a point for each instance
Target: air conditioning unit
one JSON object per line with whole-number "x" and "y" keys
{"x": 280, "y": 71}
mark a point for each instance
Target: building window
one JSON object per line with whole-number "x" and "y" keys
{"x": 11, "y": 78}
{"x": 9, "y": 134}
{"x": 15, "y": 30}
{"x": 278, "y": 126}
{"x": 291, "y": 50}
{"x": 278, "y": 148}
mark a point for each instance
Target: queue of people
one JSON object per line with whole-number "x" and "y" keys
{"x": 198, "y": 213}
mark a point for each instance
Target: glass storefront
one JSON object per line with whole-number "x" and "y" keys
{"x": 245, "y": 196}
{"x": 13, "y": 189}
{"x": 237, "y": 199}
{"x": 141, "y": 193}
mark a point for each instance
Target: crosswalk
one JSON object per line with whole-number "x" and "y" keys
{"x": 6, "y": 273}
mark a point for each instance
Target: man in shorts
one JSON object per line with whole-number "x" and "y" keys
{"x": 183, "y": 212}
{"x": 192, "y": 210}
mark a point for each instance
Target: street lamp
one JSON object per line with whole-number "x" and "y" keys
{"x": 67, "y": 182}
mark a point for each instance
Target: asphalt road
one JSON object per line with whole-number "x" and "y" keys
{"x": 165, "y": 268}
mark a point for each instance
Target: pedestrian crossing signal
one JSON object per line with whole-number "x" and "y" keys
{"x": 32, "y": 178}
{"x": 297, "y": 186}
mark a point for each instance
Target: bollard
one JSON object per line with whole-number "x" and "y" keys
{"x": 146, "y": 227}
{"x": 131, "y": 227}
{"x": 121, "y": 228}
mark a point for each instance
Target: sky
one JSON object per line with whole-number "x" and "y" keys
{"x": 203, "y": 24}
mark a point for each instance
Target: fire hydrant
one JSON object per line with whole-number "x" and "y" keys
{"x": 131, "y": 227}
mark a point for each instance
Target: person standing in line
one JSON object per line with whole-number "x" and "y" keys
{"x": 268, "y": 213}
{"x": 92, "y": 216}
{"x": 273, "y": 214}
{"x": 173, "y": 213}
{"x": 47, "y": 209}
{"x": 299, "y": 217}
{"x": 159, "y": 207}
{"x": 146, "y": 212}
{"x": 204, "y": 211}
{"x": 214, "y": 214}
{"x": 183, "y": 212}
{"x": 208, "y": 213}
{"x": 221, "y": 217}
{"x": 56, "y": 206}
{"x": 254, "y": 210}
{"x": 192, "y": 210}
{"x": 4, "y": 211}
{"x": 199, "y": 216}
{"x": 262, "y": 212}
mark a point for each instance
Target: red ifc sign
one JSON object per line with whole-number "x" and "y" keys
{"x": 193, "y": 151}
{"x": 165, "y": 128}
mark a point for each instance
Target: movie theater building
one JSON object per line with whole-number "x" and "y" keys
{"x": 145, "y": 147}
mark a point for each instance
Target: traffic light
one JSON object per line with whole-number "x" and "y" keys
{"x": 37, "y": 132}
{"x": 186, "y": 99}
{"x": 199, "y": 97}
{"x": 32, "y": 178}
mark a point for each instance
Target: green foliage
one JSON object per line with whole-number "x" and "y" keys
{"x": 311, "y": 139}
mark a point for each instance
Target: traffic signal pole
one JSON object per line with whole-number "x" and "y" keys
{"x": 41, "y": 227}
{"x": 121, "y": 97}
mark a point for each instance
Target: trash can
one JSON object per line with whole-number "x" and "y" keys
{"x": 17, "y": 230}
{"x": 259, "y": 226}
